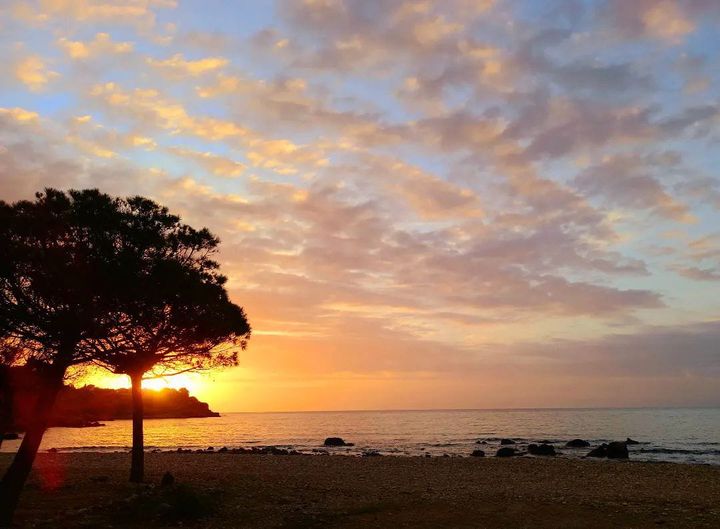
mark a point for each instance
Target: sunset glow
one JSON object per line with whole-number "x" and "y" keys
{"x": 196, "y": 384}
{"x": 456, "y": 204}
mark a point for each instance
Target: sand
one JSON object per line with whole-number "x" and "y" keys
{"x": 264, "y": 491}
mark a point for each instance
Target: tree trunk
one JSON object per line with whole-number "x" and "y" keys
{"x": 6, "y": 404}
{"x": 137, "y": 464}
{"x": 14, "y": 479}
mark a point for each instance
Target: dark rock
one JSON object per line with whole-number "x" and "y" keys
{"x": 167, "y": 480}
{"x": 617, "y": 450}
{"x": 600, "y": 451}
{"x": 52, "y": 450}
{"x": 629, "y": 441}
{"x": 478, "y": 453}
{"x": 72, "y": 422}
{"x": 614, "y": 450}
{"x": 11, "y": 436}
{"x": 223, "y": 449}
{"x": 505, "y": 452}
{"x": 543, "y": 449}
{"x": 336, "y": 441}
{"x": 371, "y": 453}
{"x": 210, "y": 449}
{"x": 577, "y": 443}
{"x": 507, "y": 442}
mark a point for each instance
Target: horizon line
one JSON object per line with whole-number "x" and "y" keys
{"x": 568, "y": 408}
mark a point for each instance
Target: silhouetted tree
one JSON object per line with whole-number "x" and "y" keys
{"x": 58, "y": 252}
{"x": 176, "y": 317}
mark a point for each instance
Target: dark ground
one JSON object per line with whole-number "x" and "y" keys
{"x": 264, "y": 491}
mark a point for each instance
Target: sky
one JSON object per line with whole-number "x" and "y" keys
{"x": 422, "y": 204}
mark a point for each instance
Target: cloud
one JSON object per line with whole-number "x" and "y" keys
{"x": 217, "y": 165}
{"x": 629, "y": 181}
{"x": 101, "y": 46}
{"x": 33, "y": 73}
{"x": 178, "y": 66}
{"x": 661, "y": 19}
{"x": 676, "y": 350}
{"x": 700, "y": 274}
{"x": 140, "y": 12}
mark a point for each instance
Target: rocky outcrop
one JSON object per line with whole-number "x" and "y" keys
{"x": 613, "y": 450}
{"x": 478, "y": 453}
{"x": 89, "y": 405}
{"x": 541, "y": 450}
{"x": 336, "y": 441}
{"x": 629, "y": 441}
{"x": 507, "y": 442}
{"x": 505, "y": 452}
{"x": 577, "y": 443}
{"x": 617, "y": 450}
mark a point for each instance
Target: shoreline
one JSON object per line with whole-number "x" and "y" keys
{"x": 267, "y": 491}
{"x": 459, "y": 451}
{"x": 288, "y": 450}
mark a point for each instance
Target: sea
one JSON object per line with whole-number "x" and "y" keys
{"x": 672, "y": 435}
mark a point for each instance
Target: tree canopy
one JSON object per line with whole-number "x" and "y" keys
{"x": 88, "y": 278}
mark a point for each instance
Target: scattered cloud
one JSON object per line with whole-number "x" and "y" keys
{"x": 33, "y": 73}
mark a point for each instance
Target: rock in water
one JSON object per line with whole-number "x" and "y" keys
{"x": 505, "y": 452}
{"x": 507, "y": 442}
{"x": 617, "y": 450}
{"x": 478, "y": 453}
{"x": 577, "y": 443}
{"x": 336, "y": 441}
{"x": 541, "y": 450}
{"x": 629, "y": 441}
{"x": 167, "y": 480}
{"x": 600, "y": 451}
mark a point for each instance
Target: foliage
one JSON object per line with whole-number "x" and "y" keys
{"x": 57, "y": 253}
{"x": 176, "y": 315}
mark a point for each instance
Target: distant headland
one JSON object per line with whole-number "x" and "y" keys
{"x": 90, "y": 405}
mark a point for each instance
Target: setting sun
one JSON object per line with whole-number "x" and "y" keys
{"x": 195, "y": 383}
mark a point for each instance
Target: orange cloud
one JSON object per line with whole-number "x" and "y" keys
{"x": 101, "y": 45}
{"x": 33, "y": 73}
{"x": 177, "y": 65}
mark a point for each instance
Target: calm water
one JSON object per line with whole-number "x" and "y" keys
{"x": 680, "y": 435}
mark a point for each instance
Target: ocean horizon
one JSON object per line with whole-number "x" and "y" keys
{"x": 682, "y": 435}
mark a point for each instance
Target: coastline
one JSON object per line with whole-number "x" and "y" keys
{"x": 266, "y": 491}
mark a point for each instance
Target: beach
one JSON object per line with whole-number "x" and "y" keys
{"x": 298, "y": 491}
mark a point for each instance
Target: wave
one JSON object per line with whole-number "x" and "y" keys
{"x": 677, "y": 451}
